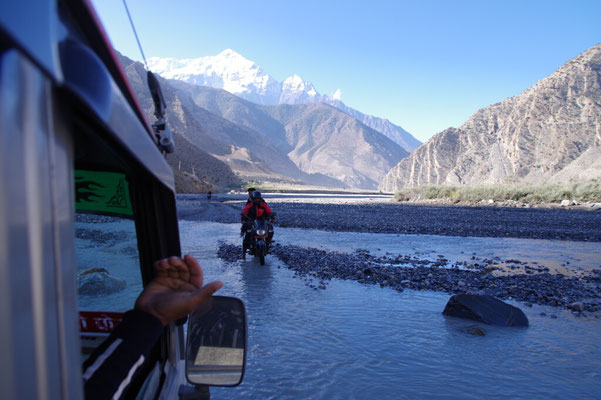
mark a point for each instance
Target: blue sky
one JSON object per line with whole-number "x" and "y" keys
{"x": 424, "y": 65}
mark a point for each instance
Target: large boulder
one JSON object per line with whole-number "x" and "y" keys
{"x": 97, "y": 281}
{"x": 485, "y": 309}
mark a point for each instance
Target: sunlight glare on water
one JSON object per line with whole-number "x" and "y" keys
{"x": 354, "y": 341}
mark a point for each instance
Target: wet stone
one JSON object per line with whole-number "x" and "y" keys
{"x": 474, "y": 330}
{"x": 421, "y": 274}
{"x": 98, "y": 281}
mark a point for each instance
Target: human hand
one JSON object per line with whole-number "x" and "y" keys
{"x": 176, "y": 290}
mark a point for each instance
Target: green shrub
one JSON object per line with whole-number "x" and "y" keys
{"x": 548, "y": 193}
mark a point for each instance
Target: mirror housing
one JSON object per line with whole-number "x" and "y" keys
{"x": 216, "y": 343}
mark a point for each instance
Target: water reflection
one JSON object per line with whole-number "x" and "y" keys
{"x": 257, "y": 279}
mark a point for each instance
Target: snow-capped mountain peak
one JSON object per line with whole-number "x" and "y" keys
{"x": 228, "y": 70}
{"x": 294, "y": 80}
{"x": 337, "y": 95}
{"x": 233, "y": 72}
{"x": 295, "y": 91}
{"x": 230, "y": 53}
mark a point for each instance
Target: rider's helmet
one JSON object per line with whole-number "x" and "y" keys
{"x": 256, "y": 196}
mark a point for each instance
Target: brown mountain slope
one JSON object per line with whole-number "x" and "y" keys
{"x": 247, "y": 153}
{"x": 322, "y": 141}
{"x": 195, "y": 169}
{"x": 326, "y": 140}
{"x": 314, "y": 144}
{"x": 549, "y": 133}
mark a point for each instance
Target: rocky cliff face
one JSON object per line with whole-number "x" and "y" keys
{"x": 549, "y": 133}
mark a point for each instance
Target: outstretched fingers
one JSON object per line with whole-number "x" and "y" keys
{"x": 189, "y": 270}
{"x": 204, "y": 294}
{"x": 180, "y": 269}
{"x": 196, "y": 278}
{"x": 196, "y": 274}
{"x": 161, "y": 268}
{"x": 176, "y": 290}
{"x": 172, "y": 271}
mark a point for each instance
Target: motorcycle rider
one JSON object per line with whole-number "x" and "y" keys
{"x": 250, "y": 196}
{"x": 250, "y": 191}
{"x": 257, "y": 209}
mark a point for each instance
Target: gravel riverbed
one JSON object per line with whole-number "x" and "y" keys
{"x": 528, "y": 283}
{"x": 400, "y": 272}
{"x": 388, "y": 217}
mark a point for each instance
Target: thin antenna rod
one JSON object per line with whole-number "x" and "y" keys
{"x": 135, "y": 34}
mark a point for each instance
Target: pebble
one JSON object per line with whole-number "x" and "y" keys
{"x": 539, "y": 223}
{"x": 577, "y": 306}
{"x": 474, "y": 330}
{"x": 533, "y": 284}
{"x": 418, "y": 274}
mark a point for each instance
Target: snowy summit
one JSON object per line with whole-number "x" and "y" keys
{"x": 241, "y": 77}
{"x": 233, "y": 72}
{"x": 228, "y": 70}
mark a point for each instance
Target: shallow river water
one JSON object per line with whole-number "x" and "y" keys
{"x": 355, "y": 341}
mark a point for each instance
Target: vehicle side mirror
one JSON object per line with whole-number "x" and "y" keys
{"x": 216, "y": 344}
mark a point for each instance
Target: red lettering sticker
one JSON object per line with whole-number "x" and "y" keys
{"x": 99, "y": 321}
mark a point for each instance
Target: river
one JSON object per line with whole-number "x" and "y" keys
{"x": 355, "y": 341}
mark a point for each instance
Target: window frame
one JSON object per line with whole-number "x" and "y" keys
{"x": 156, "y": 229}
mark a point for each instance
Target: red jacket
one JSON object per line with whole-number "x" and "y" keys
{"x": 257, "y": 212}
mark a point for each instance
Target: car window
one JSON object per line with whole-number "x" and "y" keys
{"x": 106, "y": 254}
{"x": 108, "y": 263}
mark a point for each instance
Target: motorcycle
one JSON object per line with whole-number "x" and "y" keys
{"x": 258, "y": 237}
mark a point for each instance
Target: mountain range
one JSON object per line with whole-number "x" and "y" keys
{"x": 258, "y": 129}
{"x": 309, "y": 143}
{"x": 241, "y": 77}
{"x": 549, "y": 133}
{"x": 320, "y": 140}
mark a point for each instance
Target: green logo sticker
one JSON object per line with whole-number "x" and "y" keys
{"x": 105, "y": 192}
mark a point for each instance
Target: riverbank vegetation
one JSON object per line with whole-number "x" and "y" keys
{"x": 582, "y": 192}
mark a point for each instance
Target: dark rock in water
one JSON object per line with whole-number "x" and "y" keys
{"x": 485, "y": 309}
{"x": 474, "y": 330}
{"x": 93, "y": 271}
{"x": 97, "y": 281}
